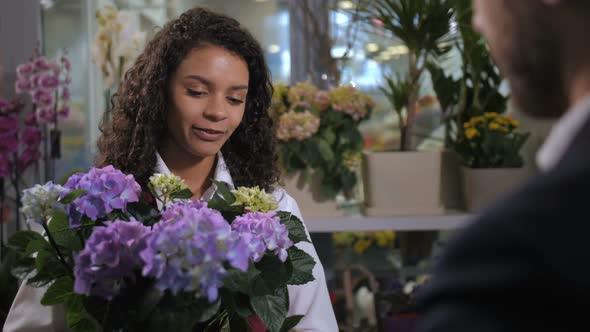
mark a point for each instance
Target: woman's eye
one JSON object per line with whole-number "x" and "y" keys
{"x": 234, "y": 101}
{"x": 195, "y": 93}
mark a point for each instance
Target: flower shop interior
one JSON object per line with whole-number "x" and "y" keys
{"x": 388, "y": 140}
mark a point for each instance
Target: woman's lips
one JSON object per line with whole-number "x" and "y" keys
{"x": 208, "y": 134}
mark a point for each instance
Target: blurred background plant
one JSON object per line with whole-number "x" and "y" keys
{"x": 476, "y": 88}
{"x": 491, "y": 141}
{"x": 318, "y": 132}
{"x": 117, "y": 43}
{"x": 423, "y": 27}
{"x": 360, "y": 242}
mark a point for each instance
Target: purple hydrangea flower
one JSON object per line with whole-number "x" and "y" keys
{"x": 188, "y": 248}
{"x": 107, "y": 189}
{"x": 110, "y": 256}
{"x": 257, "y": 227}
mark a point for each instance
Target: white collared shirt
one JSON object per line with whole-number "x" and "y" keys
{"x": 562, "y": 135}
{"x": 311, "y": 300}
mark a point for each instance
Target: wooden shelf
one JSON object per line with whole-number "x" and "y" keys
{"x": 394, "y": 223}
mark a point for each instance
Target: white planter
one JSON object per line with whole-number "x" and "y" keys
{"x": 482, "y": 186}
{"x": 410, "y": 183}
{"x": 308, "y": 197}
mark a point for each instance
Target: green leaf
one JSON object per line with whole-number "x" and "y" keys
{"x": 78, "y": 318}
{"x": 329, "y": 136}
{"x": 59, "y": 292}
{"x": 238, "y": 281}
{"x": 183, "y": 194}
{"x": 147, "y": 213}
{"x": 23, "y": 267}
{"x": 64, "y": 236}
{"x": 149, "y": 300}
{"x": 325, "y": 150}
{"x": 272, "y": 309}
{"x": 303, "y": 265}
{"x": 224, "y": 325}
{"x": 206, "y": 310}
{"x": 180, "y": 312}
{"x": 72, "y": 196}
{"x": 241, "y": 305}
{"x": 223, "y": 190}
{"x": 20, "y": 240}
{"x": 48, "y": 268}
{"x": 273, "y": 274}
{"x": 43, "y": 259}
{"x": 290, "y": 323}
{"x": 295, "y": 226}
{"x": 36, "y": 246}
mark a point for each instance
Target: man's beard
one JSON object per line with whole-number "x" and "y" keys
{"x": 535, "y": 70}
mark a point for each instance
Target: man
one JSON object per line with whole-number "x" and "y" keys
{"x": 524, "y": 264}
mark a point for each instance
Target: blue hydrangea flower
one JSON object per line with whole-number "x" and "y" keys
{"x": 266, "y": 228}
{"x": 110, "y": 256}
{"x": 39, "y": 201}
{"x": 188, "y": 248}
{"x": 107, "y": 189}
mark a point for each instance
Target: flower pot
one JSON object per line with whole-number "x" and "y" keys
{"x": 482, "y": 186}
{"x": 308, "y": 197}
{"x": 410, "y": 183}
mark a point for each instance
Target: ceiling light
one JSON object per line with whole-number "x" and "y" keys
{"x": 346, "y": 5}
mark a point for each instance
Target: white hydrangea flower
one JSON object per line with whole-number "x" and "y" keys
{"x": 165, "y": 185}
{"x": 39, "y": 201}
{"x": 255, "y": 199}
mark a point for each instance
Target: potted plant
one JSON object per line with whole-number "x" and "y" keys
{"x": 407, "y": 182}
{"x": 320, "y": 144}
{"x": 490, "y": 151}
{"x": 486, "y": 142}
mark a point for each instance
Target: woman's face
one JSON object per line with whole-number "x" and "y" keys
{"x": 208, "y": 99}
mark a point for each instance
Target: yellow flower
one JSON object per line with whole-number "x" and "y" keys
{"x": 362, "y": 245}
{"x": 476, "y": 119}
{"x": 495, "y": 126}
{"x": 343, "y": 239}
{"x": 503, "y": 120}
{"x": 255, "y": 199}
{"x": 515, "y": 123}
{"x": 467, "y": 125}
{"x": 471, "y": 133}
{"x": 351, "y": 160}
{"x": 385, "y": 239}
{"x": 491, "y": 115}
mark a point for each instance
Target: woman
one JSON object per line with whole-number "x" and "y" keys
{"x": 195, "y": 104}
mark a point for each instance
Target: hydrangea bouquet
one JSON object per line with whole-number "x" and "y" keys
{"x": 117, "y": 262}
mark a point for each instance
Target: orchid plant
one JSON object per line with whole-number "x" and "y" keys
{"x": 46, "y": 82}
{"x": 22, "y": 132}
{"x": 117, "y": 43}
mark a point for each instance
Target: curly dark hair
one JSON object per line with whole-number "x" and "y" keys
{"x": 130, "y": 139}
